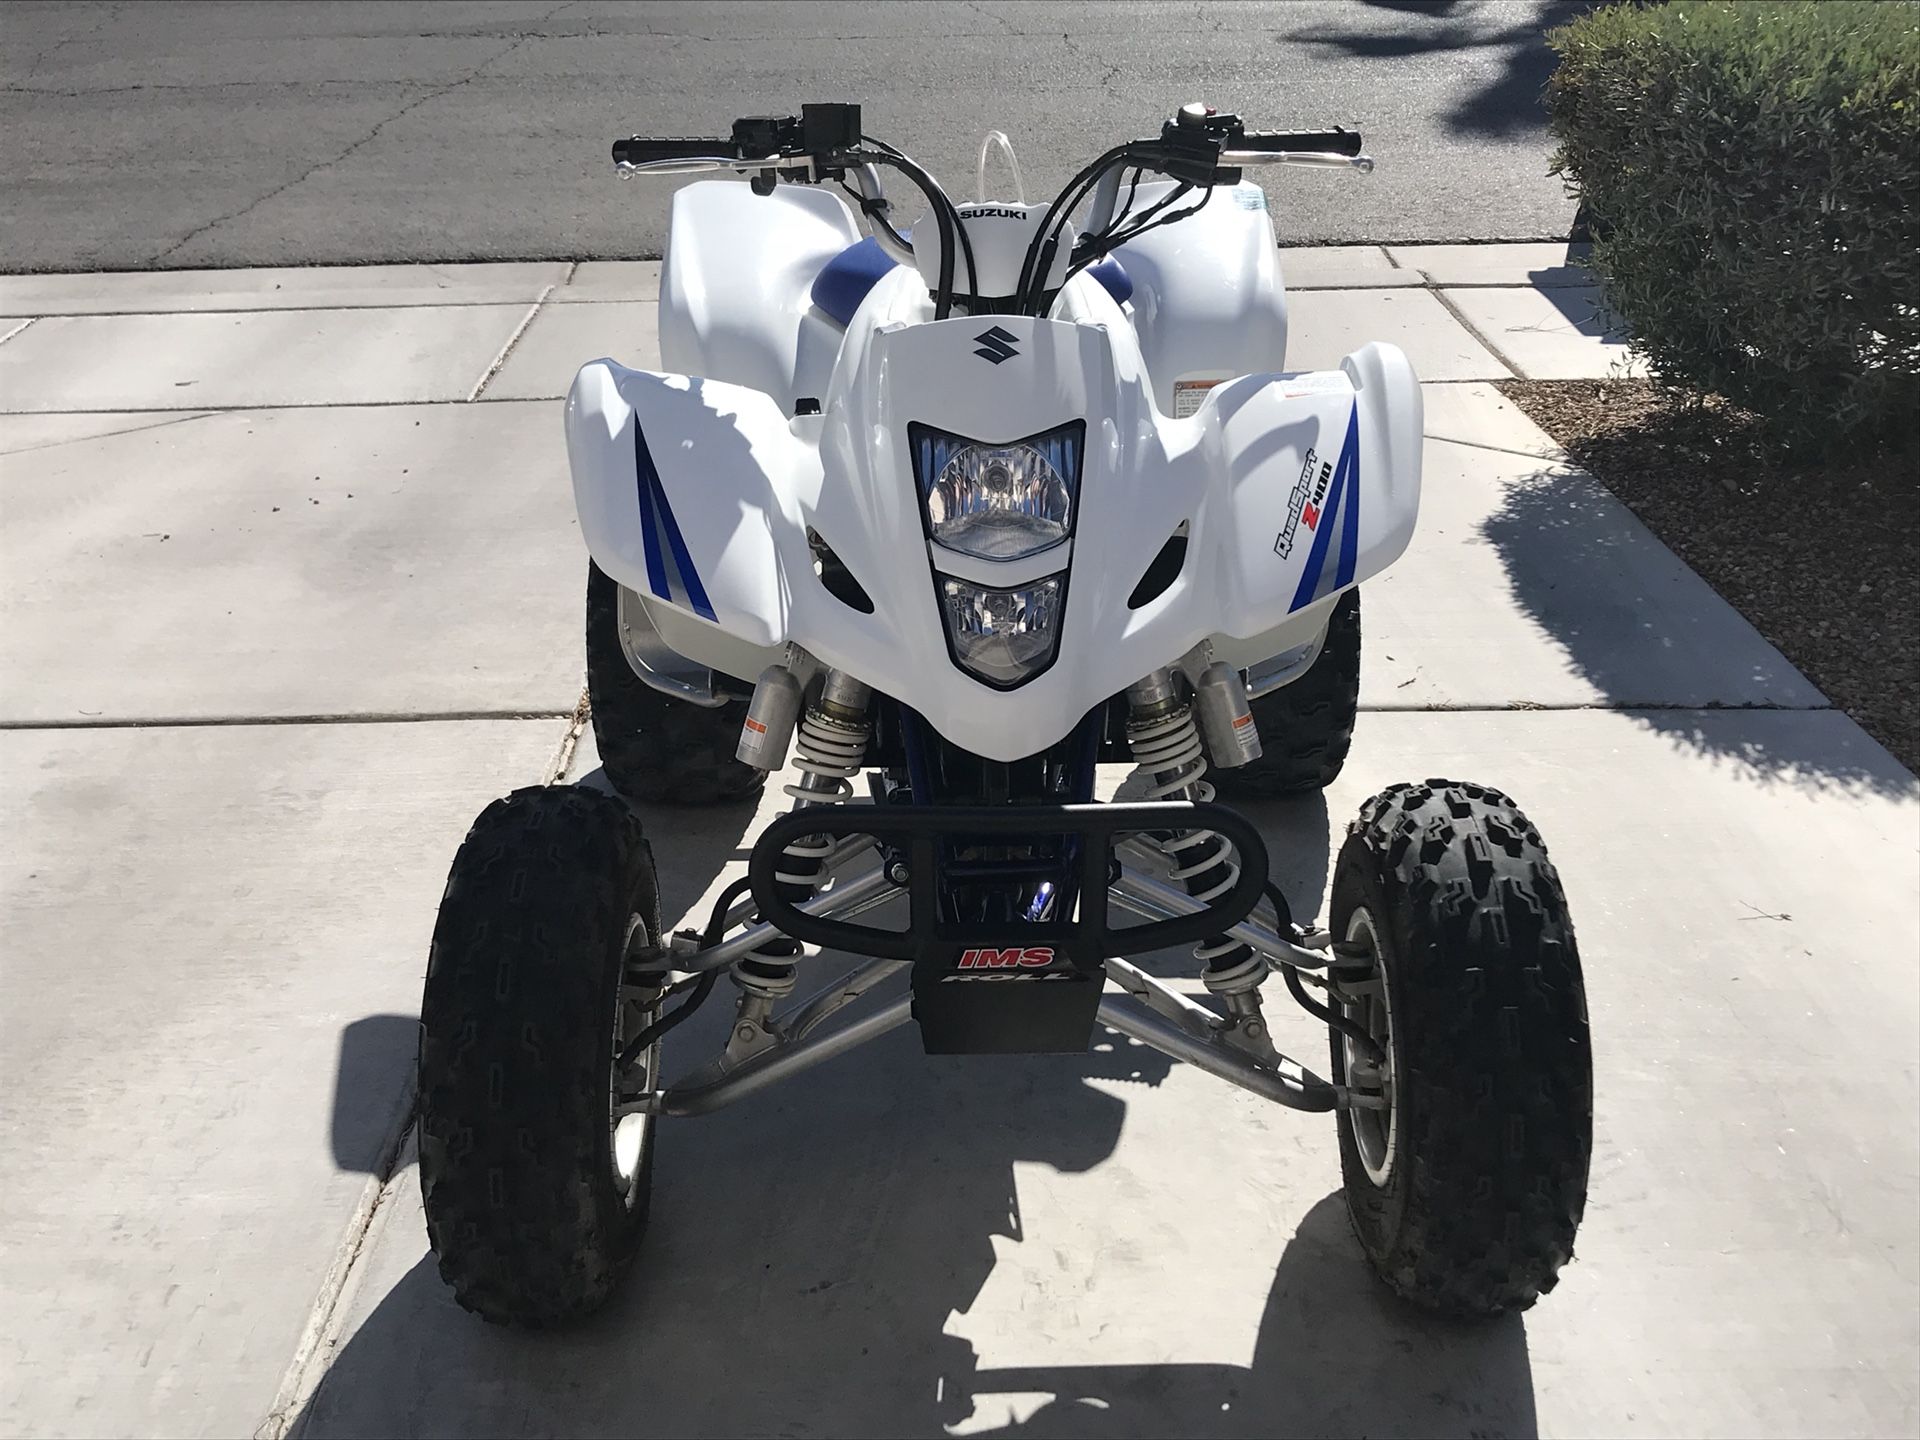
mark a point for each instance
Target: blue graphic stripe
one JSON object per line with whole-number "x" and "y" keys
{"x": 1342, "y": 505}
{"x": 689, "y": 577}
{"x": 649, "y": 525}
{"x": 1350, "y": 534}
{"x": 656, "y": 516}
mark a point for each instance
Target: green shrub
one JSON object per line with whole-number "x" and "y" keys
{"x": 1757, "y": 169}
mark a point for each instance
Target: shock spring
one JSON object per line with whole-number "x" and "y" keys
{"x": 1165, "y": 741}
{"x": 831, "y": 750}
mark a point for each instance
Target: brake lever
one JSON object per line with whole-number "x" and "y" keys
{"x": 790, "y": 167}
{"x": 1314, "y": 158}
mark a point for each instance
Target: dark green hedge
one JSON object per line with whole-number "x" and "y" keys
{"x": 1757, "y": 167}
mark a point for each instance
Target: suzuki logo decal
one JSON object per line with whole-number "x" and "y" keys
{"x": 995, "y": 345}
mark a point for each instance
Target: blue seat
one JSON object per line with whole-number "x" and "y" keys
{"x": 845, "y": 280}
{"x": 1113, "y": 277}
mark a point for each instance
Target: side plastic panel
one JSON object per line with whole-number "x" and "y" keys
{"x": 1207, "y": 299}
{"x": 735, "y": 289}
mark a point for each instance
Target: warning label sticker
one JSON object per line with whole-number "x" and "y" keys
{"x": 1188, "y": 396}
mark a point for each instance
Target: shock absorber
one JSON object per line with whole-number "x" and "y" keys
{"x": 832, "y": 749}
{"x": 1165, "y": 740}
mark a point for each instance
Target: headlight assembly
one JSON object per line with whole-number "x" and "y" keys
{"x": 997, "y": 502}
{"x": 1003, "y": 637}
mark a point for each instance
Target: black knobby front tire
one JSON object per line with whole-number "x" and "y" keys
{"x": 1306, "y": 728}
{"x": 1492, "y": 1122}
{"x": 654, "y": 747}
{"x": 518, "y": 1026}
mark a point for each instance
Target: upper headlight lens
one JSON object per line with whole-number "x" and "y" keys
{"x": 998, "y": 502}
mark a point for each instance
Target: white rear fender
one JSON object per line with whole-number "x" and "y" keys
{"x": 1208, "y": 303}
{"x": 735, "y": 288}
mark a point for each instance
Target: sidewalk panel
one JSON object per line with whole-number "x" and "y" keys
{"x": 1539, "y": 265}
{"x": 595, "y": 280}
{"x": 1339, "y": 267}
{"x": 213, "y": 941}
{"x": 1325, "y": 325}
{"x": 343, "y": 286}
{"x": 562, "y": 338}
{"x": 1476, "y": 413}
{"x": 288, "y": 562}
{"x": 298, "y": 357}
{"x": 1565, "y": 334}
{"x": 1528, "y": 583}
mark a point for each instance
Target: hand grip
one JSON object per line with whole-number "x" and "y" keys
{"x": 644, "y": 149}
{"x": 1324, "y": 142}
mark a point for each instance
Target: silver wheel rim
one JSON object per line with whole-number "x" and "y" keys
{"x": 1376, "y": 1133}
{"x": 629, "y": 1136}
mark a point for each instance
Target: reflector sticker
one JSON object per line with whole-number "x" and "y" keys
{"x": 1340, "y": 510}
{"x": 657, "y": 523}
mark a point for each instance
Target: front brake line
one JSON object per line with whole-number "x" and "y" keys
{"x": 716, "y": 926}
{"x": 1333, "y": 1020}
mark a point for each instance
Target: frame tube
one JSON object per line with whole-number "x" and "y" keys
{"x": 780, "y": 1063}
{"x": 1309, "y": 1092}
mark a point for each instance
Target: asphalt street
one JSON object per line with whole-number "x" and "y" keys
{"x": 212, "y": 135}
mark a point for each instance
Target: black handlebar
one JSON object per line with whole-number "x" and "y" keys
{"x": 758, "y": 139}
{"x": 818, "y": 131}
{"x": 1199, "y": 147}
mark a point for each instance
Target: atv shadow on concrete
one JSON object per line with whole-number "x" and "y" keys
{"x": 806, "y": 1268}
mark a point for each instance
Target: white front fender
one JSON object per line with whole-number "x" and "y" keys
{"x": 700, "y": 497}
{"x": 717, "y": 542}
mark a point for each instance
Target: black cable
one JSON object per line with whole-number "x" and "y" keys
{"x": 953, "y": 213}
{"x": 1092, "y": 248}
{"x": 966, "y": 248}
{"x": 873, "y": 209}
{"x": 1107, "y": 242}
{"x": 1333, "y": 1020}
{"x": 942, "y": 207}
{"x": 1152, "y": 219}
{"x": 1098, "y": 245}
{"x": 1125, "y": 207}
{"x": 1046, "y": 241}
{"x": 946, "y": 219}
{"x": 1121, "y": 212}
{"x": 702, "y": 986}
{"x": 1336, "y": 1022}
{"x": 1023, "y": 293}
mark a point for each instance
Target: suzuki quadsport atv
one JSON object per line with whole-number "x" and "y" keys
{"x": 968, "y": 511}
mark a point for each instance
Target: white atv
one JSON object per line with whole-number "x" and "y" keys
{"x": 968, "y": 512}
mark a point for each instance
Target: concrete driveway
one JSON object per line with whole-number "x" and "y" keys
{"x": 290, "y": 587}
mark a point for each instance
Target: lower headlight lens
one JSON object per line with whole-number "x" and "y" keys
{"x": 1003, "y": 637}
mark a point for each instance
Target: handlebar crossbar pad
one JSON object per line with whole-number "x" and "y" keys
{"x": 1328, "y": 142}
